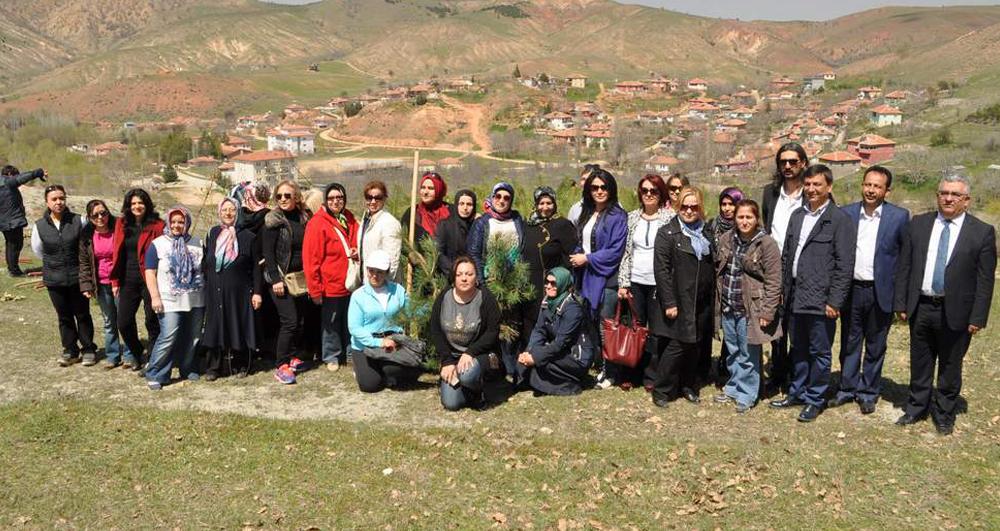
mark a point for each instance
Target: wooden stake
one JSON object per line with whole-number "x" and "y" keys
{"x": 413, "y": 217}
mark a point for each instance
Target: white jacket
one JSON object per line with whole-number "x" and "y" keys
{"x": 381, "y": 232}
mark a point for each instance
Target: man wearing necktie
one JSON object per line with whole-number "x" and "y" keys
{"x": 944, "y": 288}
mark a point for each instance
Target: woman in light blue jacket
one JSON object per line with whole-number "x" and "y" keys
{"x": 371, "y": 321}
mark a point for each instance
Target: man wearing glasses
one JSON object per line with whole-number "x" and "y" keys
{"x": 944, "y": 288}
{"x": 781, "y": 198}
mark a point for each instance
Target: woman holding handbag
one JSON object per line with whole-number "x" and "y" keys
{"x": 284, "y": 230}
{"x": 635, "y": 275}
{"x": 326, "y": 259}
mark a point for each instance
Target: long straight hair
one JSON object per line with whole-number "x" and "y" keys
{"x": 589, "y": 207}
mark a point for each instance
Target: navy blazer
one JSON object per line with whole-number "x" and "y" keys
{"x": 826, "y": 265}
{"x": 888, "y": 243}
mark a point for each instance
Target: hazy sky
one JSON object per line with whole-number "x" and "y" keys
{"x": 774, "y": 10}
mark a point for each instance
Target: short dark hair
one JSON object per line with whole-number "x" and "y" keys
{"x": 880, "y": 169}
{"x": 54, "y": 188}
{"x": 376, "y": 185}
{"x": 9, "y": 171}
{"x": 818, "y": 169}
{"x": 459, "y": 260}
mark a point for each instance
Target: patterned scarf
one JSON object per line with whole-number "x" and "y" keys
{"x": 226, "y": 246}
{"x": 536, "y": 218}
{"x": 699, "y": 242}
{"x": 183, "y": 272}
{"x": 488, "y": 204}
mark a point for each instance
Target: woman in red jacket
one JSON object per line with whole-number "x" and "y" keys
{"x": 135, "y": 230}
{"x": 328, "y": 247}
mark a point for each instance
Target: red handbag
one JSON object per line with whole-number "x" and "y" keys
{"x": 623, "y": 345}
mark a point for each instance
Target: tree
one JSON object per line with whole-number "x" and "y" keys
{"x": 420, "y": 99}
{"x": 352, "y": 109}
{"x": 941, "y": 137}
{"x": 169, "y": 174}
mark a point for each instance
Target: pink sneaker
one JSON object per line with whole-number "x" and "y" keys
{"x": 284, "y": 374}
{"x": 296, "y": 365}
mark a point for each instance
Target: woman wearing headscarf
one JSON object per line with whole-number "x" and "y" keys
{"x": 229, "y": 335}
{"x": 453, "y": 233}
{"x": 635, "y": 276}
{"x": 431, "y": 208}
{"x": 378, "y": 228}
{"x": 685, "y": 288}
{"x": 500, "y": 221}
{"x": 135, "y": 230}
{"x": 176, "y": 288}
{"x": 559, "y": 353}
{"x": 327, "y": 250}
{"x": 602, "y": 231}
{"x": 716, "y": 227}
{"x": 55, "y": 238}
{"x": 97, "y": 250}
{"x": 284, "y": 230}
{"x": 549, "y": 239}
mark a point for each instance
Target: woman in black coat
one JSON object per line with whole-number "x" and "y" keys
{"x": 685, "y": 287}
{"x": 549, "y": 239}
{"x": 453, "y": 232}
{"x": 229, "y": 296}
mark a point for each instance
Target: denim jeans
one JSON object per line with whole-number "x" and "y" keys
{"x": 742, "y": 361}
{"x": 179, "y": 335}
{"x": 335, "y": 334}
{"x": 115, "y": 350}
{"x": 469, "y": 382}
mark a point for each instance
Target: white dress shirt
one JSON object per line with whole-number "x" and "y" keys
{"x": 588, "y": 233}
{"x": 783, "y": 208}
{"x": 808, "y": 222}
{"x": 864, "y": 252}
{"x": 932, "y": 249}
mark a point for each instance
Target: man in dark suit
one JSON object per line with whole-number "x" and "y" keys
{"x": 944, "y": 289}
{"x": 780, "y": 198}
{"x": 867, "y": 314}
{"x": 817, "y": 262}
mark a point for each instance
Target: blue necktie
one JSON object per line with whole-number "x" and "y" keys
{"x": 941, "y": 262}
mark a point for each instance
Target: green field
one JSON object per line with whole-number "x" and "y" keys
{"x": 281, "y": 85}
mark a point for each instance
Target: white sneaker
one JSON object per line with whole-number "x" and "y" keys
{"x": 603, "y": 382}
{"x": 333, "y": 366}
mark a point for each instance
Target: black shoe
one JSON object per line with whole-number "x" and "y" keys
{"x": 908, "y": 419}
{"x": 690, "y": 395}
{"x": 788, "y": 401}
{"x": 16, "y": 273}
{"x": 809, "y": 413}
{"x": 210, "y": 377}
{"x": 660, "y": 402}
{"x": 66, "y": 361}
{"x": 867, "y": 407}
{"x": 839, "y": 401}
{"x": 945, "y": 427}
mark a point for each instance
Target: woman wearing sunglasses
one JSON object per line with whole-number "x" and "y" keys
{"x": 685, "y": 289}
{"x": 97, "y": 249}
{"x": 379, "y": 230}
{"x": 602, "y": 231}
{"x": 284, "y": 230}
{"x": 635, "y": 276}
{"x": 56, "y": 240}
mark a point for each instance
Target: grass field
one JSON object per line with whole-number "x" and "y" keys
{"x": 85, "y": 448}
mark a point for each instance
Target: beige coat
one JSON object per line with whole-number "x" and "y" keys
{"x": 761, "y": 285}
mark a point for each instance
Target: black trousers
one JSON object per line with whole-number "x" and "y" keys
{"x": 781, "y": 360}
{"x": 13, "y": 243}
{"x": 130, "y": 294}
{"x": 677, "y": 368}
{"x": 291, "y": 313}
{"x": 863, "y": 323}
{"x": 645, "y": 372}
{"x": 932, "y": 344}
{"x": 76, "y": 327}
{"x": 375, "y": 375}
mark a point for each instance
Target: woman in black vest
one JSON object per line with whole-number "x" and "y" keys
{"x": 56, "y": 240}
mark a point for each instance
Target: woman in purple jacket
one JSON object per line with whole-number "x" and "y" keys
{"x": 602, "y": 231}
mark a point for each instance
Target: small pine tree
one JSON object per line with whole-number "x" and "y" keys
{"x": 508, "y": 279}
{"x": 169, "y": 175}
{"x": 424, "y": 290}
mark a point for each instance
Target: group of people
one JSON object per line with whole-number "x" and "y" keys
{"x": 779, "y": 272}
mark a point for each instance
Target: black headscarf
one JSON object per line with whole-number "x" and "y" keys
{"x": 540, "y": 192}
{"x": 466, "y": 222}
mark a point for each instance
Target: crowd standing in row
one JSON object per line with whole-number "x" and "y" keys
{"x": 783, "y": 272}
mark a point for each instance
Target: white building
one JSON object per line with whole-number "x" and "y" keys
{"x": 270, "y": 166}
{"x": 296, "y": 139}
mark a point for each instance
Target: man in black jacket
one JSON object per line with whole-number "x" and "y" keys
{"x": 818, "y": 263}
{"x": 780, "y": 198}
{"x": 12, "y": 218}
{"x": 944, "y": 288}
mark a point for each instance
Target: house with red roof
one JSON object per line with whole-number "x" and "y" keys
{"x": 872, "y": 149}
{"x": 896, "y": 98}
{"x": 697, "y": 84}
{"x": 630, "y": 87}
{"x": 661, "y": 164}
{"x": 299, "y": 140}
{"x": 578, "y": 81}
{"x": 107, "y": 148}
{"x": 869, "y": 93}
{"x": 840, "y": 159}
{"x": 821, "y": 134}
{"x": 884, "y": 115}
{"x": 737, "y": 164}
{"x": 558, "y": 120}
{"x": 270, "y": 166}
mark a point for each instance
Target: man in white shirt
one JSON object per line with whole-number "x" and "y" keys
{"x": 867, "y": 314}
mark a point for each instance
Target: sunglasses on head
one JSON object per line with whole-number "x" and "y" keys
{"x": 369, "y": 197}
{"x": 279, "y": 197}
{"x": 598, "y": 188}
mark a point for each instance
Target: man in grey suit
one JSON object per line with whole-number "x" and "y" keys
{"x": 944, "y": 289}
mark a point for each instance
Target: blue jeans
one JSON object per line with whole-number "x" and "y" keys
{"x": 335, "y": 334}
{"x": 179, "y": 335}
{"x": 470, "y": 381}
{"x": 742, "y": 361}
{"x": 115, "y": 350}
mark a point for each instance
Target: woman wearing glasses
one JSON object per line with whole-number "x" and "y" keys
{"x": 378, "y": 228}
{"x": 135, "y": 230}
{"x": 602, "y": 231}
{"x": 327, "y": 249}
{"x": 685, "y": 289}
{"x": 56, "y": 240}
{"x": 284, "y": 230}
{"x": 97, "y": 250}
{"x": 675, "y": 183}
{"x": 549, "y": 239}
{"x": 635, "y": 276}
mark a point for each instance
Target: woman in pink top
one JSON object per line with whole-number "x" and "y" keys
{"x": 96, "y": 252}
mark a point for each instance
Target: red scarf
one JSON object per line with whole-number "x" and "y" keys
{"x": 437, "y": 211}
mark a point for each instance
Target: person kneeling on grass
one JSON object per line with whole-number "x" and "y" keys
{"x": 465, "y": 325}
{"x": 175, "y": 283}
{"x": 381, "y": 354}
{"x": 559, "y": 352}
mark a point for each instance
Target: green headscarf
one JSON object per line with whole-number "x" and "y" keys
{"x": 564, "y": 280}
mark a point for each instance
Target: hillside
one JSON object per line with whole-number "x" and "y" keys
{"x": 65, "y": 48}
